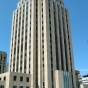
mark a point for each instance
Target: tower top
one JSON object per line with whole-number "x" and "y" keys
{"x": 60, "y": 1}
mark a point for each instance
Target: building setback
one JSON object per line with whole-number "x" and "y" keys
{"x": 3, "y": 57}
{"x": 41, "y": 42}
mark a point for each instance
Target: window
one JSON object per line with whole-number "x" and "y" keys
{"x": 27, "y": 79}
{"x": 14, "y": 78}
{"x": 0, "y": 78}
{"x": 1, "y": 86}
{"x": 25, "y": 54}
{"x": 43, "y": 84}
{"x": 27, "y": 87}
{"x": 27, "y": 3}
{"x": 42, "y": 34}
{"x": 4, "y": 57}
{"x": 20, "y": 68}
{"x": 42, "y": 52}
{"x": 21, "y": 79}
{"x": 24, "y": 67}
{"x": 4, "y": 78}
{"x": 43, "y": 65}
{"x": 25, "y": 37}
{"x": 42, "y": 40}
{"x": 20, "y": 86}
{"x": 25, "y": 45}
{"x": 42, "y": 46}
{"x": 14, "y": 86}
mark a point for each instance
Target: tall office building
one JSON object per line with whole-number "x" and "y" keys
{"x": 41, "y": 42}
{"x": 3, "y": 57}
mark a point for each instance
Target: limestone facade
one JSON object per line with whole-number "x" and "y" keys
{"x": 41, "y": 41}
{"x": 15, "y": 80}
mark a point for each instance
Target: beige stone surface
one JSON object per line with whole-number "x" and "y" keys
{"x": 59, "y": 82}
{"x": 9, "y": 82}
{"x": 41, "y": 41}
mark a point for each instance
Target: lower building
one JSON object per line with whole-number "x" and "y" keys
{"x": 83, "y": 85}
{"x": 62, "y": 79}
{"x": 84, "y": 79}
{"x": 77, "y": 78}
{"x": 3, "y": 57}
{"x": 15, "y": 80}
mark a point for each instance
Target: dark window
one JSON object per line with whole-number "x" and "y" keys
{"x": 1, "y": 57}
{"x": 25, "y": 37}
{"x": 14, "y": 78}
{"x": 20, "y": 86}
{"x": 20, "y": 68}
{"x": 43, "y": 52}
{"x": 43, "y": 84}
{"x": 42, "y": 40}
{"x": 27, "y": 79}
{"x": 43, "y": 46}
{"x": 24, "y": 67}
{"x": 42, "y": 34}
{"x": 4, "y": 57}
{"x": 4, "y": 78}
{"x": 21, "y": 56}
{"x": 21, "y": 78}
{"x": 1, "y": 86}
{"x": 25, "y": 45}
{"x": 14, "y": 86}
{"x": 27, "y": 87}
{"x": 0, "y": 78}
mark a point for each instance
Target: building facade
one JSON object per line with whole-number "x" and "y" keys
{"x": 84, "y": 79}
{"x": 15, "y": 80}
{"x": 62, "y": 79}
{"x": 77, "y": 73}
{"x": 3, "y": 57}
{"x": 41, "y": 42}
{"x": 83, "y": 86}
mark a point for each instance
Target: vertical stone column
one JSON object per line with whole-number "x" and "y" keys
{"x": 33, "y": 45}
{"x": 62, "y": 37}
{"x": 67, "y": 45}
{"x": 11, "y": 43}
{"x": 20, "y": 52}
{"x": 71, "y": 50}
{"x": 17, "y": 41}
{"x": 53, "y": 39}
{"x": 24, "y": 39}
{"x": 28, "y": 37}
{"x": 58, "y": 35}
{"x": 47, "y": 61}
{"x": 39, "y": 46}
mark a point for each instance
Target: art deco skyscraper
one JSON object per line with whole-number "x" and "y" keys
{"x": 41, "y": 41}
